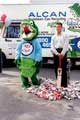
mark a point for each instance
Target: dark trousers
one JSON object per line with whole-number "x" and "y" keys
{"x": 64, "y": 69}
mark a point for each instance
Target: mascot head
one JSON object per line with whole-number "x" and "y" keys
{"x": 29, "y": 30}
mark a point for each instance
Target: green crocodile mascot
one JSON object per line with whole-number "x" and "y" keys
{"x": 29, "y": 54}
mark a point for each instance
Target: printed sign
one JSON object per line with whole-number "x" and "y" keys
{"x": 45, "y": 41}
{"x": 75, "y": 44}
{"x": 27, "y": 49}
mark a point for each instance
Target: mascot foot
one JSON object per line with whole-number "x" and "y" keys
{"x": 35, "y": 81}
{"x": 25, "y": 82}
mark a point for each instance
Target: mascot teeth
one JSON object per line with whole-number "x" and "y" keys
{"x": 24, "y": 35}
{"x": 29, "y": 35}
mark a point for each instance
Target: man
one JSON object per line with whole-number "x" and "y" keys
{"x": 59, "y": 47}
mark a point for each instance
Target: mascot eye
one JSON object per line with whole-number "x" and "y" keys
{"x": 31, "y": 22}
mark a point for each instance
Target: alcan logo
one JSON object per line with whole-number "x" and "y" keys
{"x": 46, "y": 14}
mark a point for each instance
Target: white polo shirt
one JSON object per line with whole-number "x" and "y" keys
{"x": 62, "y": 41}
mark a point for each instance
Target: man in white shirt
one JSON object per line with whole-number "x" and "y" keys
{"x": 59, "y": 47}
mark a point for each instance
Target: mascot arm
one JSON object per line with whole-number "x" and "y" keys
{"x": 18, "y": 54}
{"x": 18, "y": 50}
{"x": 38, "y": 58}
{"x": 38, "y": 52}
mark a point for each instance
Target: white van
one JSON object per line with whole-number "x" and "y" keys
{"x": 9, "y": 38}
{"x": 45, "y": 17}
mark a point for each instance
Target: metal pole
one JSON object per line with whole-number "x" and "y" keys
{"x": 0, "y": 60}
{"x": 68, "y": 69}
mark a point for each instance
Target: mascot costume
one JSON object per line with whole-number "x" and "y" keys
{"x": 28, "y": 54}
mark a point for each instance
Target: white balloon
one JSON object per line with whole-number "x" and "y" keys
{"x": 7, "y": 22}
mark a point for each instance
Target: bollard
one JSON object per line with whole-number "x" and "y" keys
{"x": 0, "y": 60}
{"x": 68, "y": 69}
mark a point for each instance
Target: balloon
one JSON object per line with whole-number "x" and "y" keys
{"x": 7, "y": 22}
{"x": 3, "y": 17}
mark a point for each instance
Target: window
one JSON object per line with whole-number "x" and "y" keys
{"x": 12, "y": 31}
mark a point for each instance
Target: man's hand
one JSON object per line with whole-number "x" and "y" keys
{"x": 60, "y": 56}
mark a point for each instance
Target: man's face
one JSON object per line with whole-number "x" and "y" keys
{"x": 58, "y": 28}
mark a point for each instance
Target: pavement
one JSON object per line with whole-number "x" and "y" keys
{"x": 17, "y": 104}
